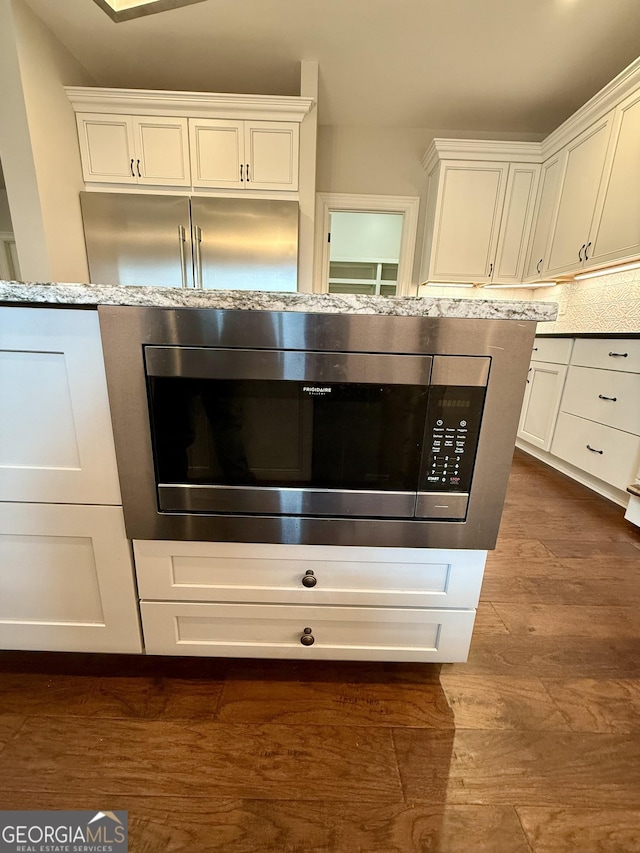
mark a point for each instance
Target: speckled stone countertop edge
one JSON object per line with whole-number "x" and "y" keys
{"x": 87, "y": 295}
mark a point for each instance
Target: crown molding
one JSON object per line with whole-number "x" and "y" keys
{"x": 494, "y": 150}
{"x": 170, "y": 103}
{"x": 627, "y": 82}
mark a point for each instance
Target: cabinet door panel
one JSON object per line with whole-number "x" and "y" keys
{"x": 66, "y": 579}
{"x": 271, "y": 150}
{"x": 582, "y": 177}
{"x": 163, "y": 151}
{"x": 516, "y": 222}
{"x": 616, "y": 233}
{"x": 538, "y": 256}
{"x": 467, "y": 226}
{"x": 106, "y": 147}
{"x": 542, "y": 401}
{"x": 217, "y": 152}
{"x": 56, "y": 443}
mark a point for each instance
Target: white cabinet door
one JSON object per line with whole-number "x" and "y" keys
{"x": 134, "y": 149}
{"x": 538, "y": 257}
{"x": 217, "y": 152}
{"x": 259, "y": 155}
{"x": 162, "y": 151}
{"x": 467, "y": 220}
{"x": 56, "y": 442}
{"x": 616, "y": 232}
{"x": 66, "y": 579}
{"x": 585, "y": 160}
{"x": 541, "y": 403}
{"x": 271, "y": 155}
{"x": 517, "y": 215}
{"x": 107, "y": 148}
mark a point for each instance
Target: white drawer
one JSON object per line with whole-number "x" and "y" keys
{"x": 275, "y": 631}
{"x": 231, "y": 571}
{"x": 556, "y": 350}
{"x": 608, "y": 353}
{"x": 606, "y": 396}
{"x": 614, "y": 455}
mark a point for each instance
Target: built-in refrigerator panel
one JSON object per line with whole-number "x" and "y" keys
{"x": 182, "y": 241}
{"x": 245, "y": 244}
{"x": 138, "y": 239}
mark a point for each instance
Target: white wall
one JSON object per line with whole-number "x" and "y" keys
{"x": 39, "y": 147}
{"x": 366, "y": 236}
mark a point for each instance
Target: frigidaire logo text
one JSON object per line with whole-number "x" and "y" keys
{"x": 316, "y": 389}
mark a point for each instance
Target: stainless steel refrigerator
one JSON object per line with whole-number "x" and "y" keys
{"x": 183, "y": 241}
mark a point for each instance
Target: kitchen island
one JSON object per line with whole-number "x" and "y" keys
{"x": 268, "y": 583}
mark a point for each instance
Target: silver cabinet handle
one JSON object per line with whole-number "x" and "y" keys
{"x": 197, "y": 241}
{"x": 593, "y": 450}
{"x": 183, "y": 261}
{"x": 602, "y": 397}
{"x": 618, "y": 354}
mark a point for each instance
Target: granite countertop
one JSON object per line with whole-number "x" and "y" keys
{"x": 89, "y": 295}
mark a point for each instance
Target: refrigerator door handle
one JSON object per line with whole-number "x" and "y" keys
{"x": 182, "y": 238}
{"x": 197, "y": 251}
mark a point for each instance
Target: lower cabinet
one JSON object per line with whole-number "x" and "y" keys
{"x": 66, "y": 579}
{"x": 540, "y": 405}
{"x": 299, "y": 601}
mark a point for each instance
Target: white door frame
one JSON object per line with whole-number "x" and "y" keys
{"x": 408, "y": 206}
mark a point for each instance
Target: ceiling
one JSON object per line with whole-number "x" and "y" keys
{"x": 501, "y": 66}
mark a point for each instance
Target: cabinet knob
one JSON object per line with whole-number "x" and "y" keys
{"x": 309, "y": 579}
{"x": 307, "y": 638}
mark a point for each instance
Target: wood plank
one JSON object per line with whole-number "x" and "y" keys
{"x": 200, "y": 825}
{"x": 581, "y": 545}
{"x": 552, "y": 589}
{"x": 500, "y": 702}
{"x": 598, "y": 705}
{"x": 575, "y": 620}
{"x": 519, "y": 768}
{"x": 155, "y": 758}
{"x": 587, "y": 830}
{"x": 9, "y": 725}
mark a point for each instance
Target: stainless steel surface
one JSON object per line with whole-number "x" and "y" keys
{"x": 291, "y": 365}
{"x": 460, "y": 371}
{"x": 131, "y": 239}
{"x": 274, "y": 501}
{"x": 230, "y": 243}
{"x": 442, "y": 505}
{"x": 182, "y": 237}
{"x": 247, "y": 244}
{"x": 507, "y": 342}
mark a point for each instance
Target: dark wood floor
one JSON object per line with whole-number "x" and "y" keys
{"x": 533, "y": 745}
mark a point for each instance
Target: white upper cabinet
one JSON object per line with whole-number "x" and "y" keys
{"x": 545, "y": 205}
{"x": 616, "y": 232}
{"x": 257, "y": 155}
{"x": 479, "y": 212}
{"x": 134, "y": 149}
{"x": 584, "y": 162}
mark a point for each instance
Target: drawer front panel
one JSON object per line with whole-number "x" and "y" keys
{"x": 614, "y": 455}
{"x": 210, "y": 571}
{"x": 339, "y": 633}
{"x": 606, "y": 396}
{"x": 556, "y": 350}
{"x": 608, "y": 353}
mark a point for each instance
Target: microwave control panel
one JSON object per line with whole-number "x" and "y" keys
{"x": 454, "y": 414}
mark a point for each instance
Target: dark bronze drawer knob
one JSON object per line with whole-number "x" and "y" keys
{"x": 307, "y": 638}
{"x": 309, "y": 579}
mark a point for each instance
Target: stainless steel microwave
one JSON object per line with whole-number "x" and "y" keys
{"x": 313, "y": 428}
